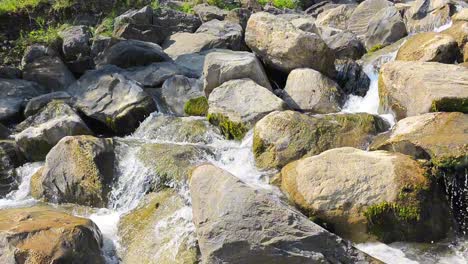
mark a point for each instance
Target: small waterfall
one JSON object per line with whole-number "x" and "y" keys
{"x": 456, "y": 183}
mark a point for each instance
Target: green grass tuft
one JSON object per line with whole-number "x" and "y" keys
{"x": 291, "y": 4}
{"x": 11, "y": 6}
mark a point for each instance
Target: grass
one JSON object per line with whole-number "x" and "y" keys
{"x": 291, "y": 4}
{"x": 11, "y": 6}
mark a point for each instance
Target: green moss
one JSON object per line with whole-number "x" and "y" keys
{"x": 231, "y": 130}
{"x": 11, "y": 6}
{"x": 196, "y": 106}
{"x": 376, "y": 48}
{"x": 223, "y": 4}
{"x": 291, "y": 4}
{"x": 450, "y": 105}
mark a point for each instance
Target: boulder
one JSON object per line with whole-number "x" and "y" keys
{"x": 237, "y": 105}
{"x": 186, "y": 43}
{"x": 130, "y": 53}
{"x": 284, "y": 47}
{"x": 282, "y": 137}
{"x": 384, "y": 28}
{"x": 239, "y": 16}
{"x": 42, "y": 131}
{"x": 36, "y": 51}
{"x": 158, "y": 213}
{"x": 309, "y": 90}
{"x": 414, "y": 88}
{"x": 345, "y": 45}
{"x": 429, "y": 46}
{"x": 259, "y": 227}
{"x": 228, "y": 32}
{"x": 194, "y": 61}
{"x": 10, "y": 158}
{"x": 8, "y": 72}
{"x": 78, "y": 170}
{"x": 4, "y": 132}
{"x": 426, "y": 15}
{"x": 359, "y": 20}
{"x": 302, "y": 22}
{"x": 178, "y": 90}
{"x": 143, "y": 16}
{"x": 142, "y": 32}
{"x": 37, "y": 103}
{"x": 50, "y": 72}
{"x": 171, "y": 21}
{"x": 352, "y": 78}
{"x": 459, "y": 31}
{"x": 14, "y": 94}
{"x": 462, "y": 15}
{"x": 208, "y": 12}
{"x": 113, "y": 100}
{"x": 225, "y": 65}
{"x": 155, "y": 74}
{"x": 176, "y": 129}
{"x": 42, "y": 234}
{"x": 336, "y": 17}
{"x": 370, "y": 194}
{"x": 76, "y": 42}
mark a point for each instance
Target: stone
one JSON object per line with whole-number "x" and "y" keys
{"x": 345, "y": 45}
{"x": 42, "y": 131}
{"x": 459, "y": 31}
{"x": 76, "y": 42}
{"x": 284, "y": 47}
{"x": 8, "y": 72}
{"x": 186, "y": 43}
{"x": 77, "y": 170}
{"x": 384, "y": 28}
{"x": 142, "y": 32}
{"x": 414, "y": 88}
{"x": 10, "y": 158}
{"x": 462, "y": 15}
{"x": 50, "y": 72}
{"x": 130, "y": 53}
{"x": 359, "y": 20}
{"x": 302, "y": 22}
{"x": 4, "y": 132}
{"x": 228, "y": 32}
{"x": 194, "y": 62}
{"x": 208, "y": 12}
{"x": 42, "y": 234}
{"x": 225, "y": 65}
{"x": 178, "y": 90}
{"x": 115, "y": 101}
{"x": 285, "y": 136}
{"x": 155, "y": 74}
{"x": 237, "y": 105}
{"x": 239, "y": 16}
{"x": 259, "y": 227}
{"x": 352, "y": 78}
{"x": 429, "y": 46}
{"x": 426, "y": 15}
{"x": 171, "y": 21}
{"x": 36, "y": 51}
{"x": 336, "y": 17}
{"x": 143, "y": 16}
{"x": 37, "y": 103}
{"x": 309, "y": 90}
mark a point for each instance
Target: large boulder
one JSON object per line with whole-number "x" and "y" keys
{"x": 459, "y": 31}
{"x": 236, "y": 105}
{"x": 426, "y": 15}
{"x": 42, "y": 234}
{"x": 135, "y": 16}
{"x": 37, "y": 103}
{"x": 77, "y": 170}
{"x": 186, "y": 43}
{"x": 142, "y": 32}
{"x": 10, "y": 158}
{"x": 225, "y": 65}
{"x": 414, "y": 88}
{"x": 76, "y": 42}
{"x": 50, "y": 72}
{"x": 14, "y": 94}
{"x": 151, "y": 216}
{"x": 130, "y": 53}
{"x": 155, "y": 74}
{"x": 336, "y": 17}
{"x": 284, "y": 47}
{"x": 352, "y": 78}
{"x": 37, "y": 51}
{"x": 363, "y": 14}
{"x": 209, "y": 12}
{"x": 384, "y": 28}
{"x": 369, "y": 194}
{"x": 282, "y": 137}
{"x": 230, "y": 33}
{"x": 259, "y": 228}
{"x": 345, "y": 45}
{"x": 113, "y": 100}
{"x": 171, "y": 21}
{"x": 42, "y": 131}
{"x": 178, "y": 90}
{"x": 429, "y": 46}
{"x": 309, "y": 90}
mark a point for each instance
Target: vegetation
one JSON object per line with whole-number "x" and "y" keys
{"x": 231, "y": 130}
{"x": 376, "y": 48}
{"x": 10, "y": 6}
{"x": 196, "y": 106}
{"x": 291, "y": 4}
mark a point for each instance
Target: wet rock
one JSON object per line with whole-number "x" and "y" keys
{"x": 7, "y": 72}
{"x": 359, "y": 20}
{"x": 425, "y": 15}
{"x": 42, "y": 131}
{"x": 362, "y": 197}
{"x": 384, "y": 28}
{"x": 178, "y": 90}
{"x": 414, "y": 88}
{"x": 155, "y": 74}
{"x": 282, "y": 137}
{"x": 10, "y": 158}
{"x": 237, "y": 105}
{"x": 258, "y": 227}
{"x": 76, "y": 42}
{"x": 429, "y": 46}
{"x": 4, "y": 132}
{"x": 78, "y": 170}
{"x": 208, "y": 12}
{"x": 345, "y": 45}
{"x": 187, "y": 43}
{"x": 225, "y": 65}
{"x": 171, "y": 21}
{"x": 352, "y": 78}
{"x": 284, "y": 47}
{"x": 230, "y": 33}
{"x": 37, "y": 103}
{"x": 50, "y": 72}
{"x": 309, "y": 90}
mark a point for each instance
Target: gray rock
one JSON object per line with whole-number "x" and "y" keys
{"x": 76, "y": 42}
{"x": 194, "y": 61}
{"x": 4, "y": 132}
{"x": 143, "y": 32}
{"x": 101, "y": 43}
{"x": 50, "y": 72}
{"x": 8, "y": 72}
{"x": 171, "y": 21}
{"x": 362, "y": 15}
{"x": 335, "y": 17}
{"x": 209, "y": 12}
{"x": 259, "y": 228}
{"x": 345, "y": 45}
{"x": 42, "y": 131}
{"x": 187, "y": 43}
{"x": 37, "y": 103}
{"x": 229, "y": 32}
{"x": 155, "y": 74}
{"x": 239, "y": 16}
{"x": 143, "y": 16}
{"x": 177, "y": 90}
{"x": 425, "y": 15}
{"x": 130, "y": 53}
{"x": 385, "y": 28}
{"x": 225, "y": 65}
{"x": 352, "y": 78}
{"x": 10, "y": 158}
{"x": 36, "y": 51}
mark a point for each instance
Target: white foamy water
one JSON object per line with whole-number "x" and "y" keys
{"x": 21, "y": 197}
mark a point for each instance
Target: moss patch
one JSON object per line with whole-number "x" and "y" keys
{"x": 376, "y": 48}
{"x": 231, "y": 130}
{"x": 196, "y": 106}
{"x": 450, "y": 105}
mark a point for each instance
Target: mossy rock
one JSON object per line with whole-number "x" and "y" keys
{"x": 196, "y": 106}
{"x": 230, "y": 129}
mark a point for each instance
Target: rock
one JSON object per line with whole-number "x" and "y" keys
{"x": 41, "y": 234}
{"x": 42, "y": 131}
{"x": 151, "y": 215}
{"x": 76, "y": 42}
{"x": 100, "y": 44}
{"x": 258, "y": 227}
{"x": 352, "y": 78}
{"x": 193, "y": 61}
{"x": 209, "y": 12}
{"x": 359, "y": 20}
{"x": 36, "y": 51}
{"x": 362, "y": 197}
{"x": 462, "y": 15}
{"x": 78, "y": 170}
{"x": 414, "y": 88}
{"x": 426, "y": 15}
{"x": 37, "y": 103}
{"x": 171, "y": 21}
{"x": 187, "y": 43}
{"x": 459, "y": 31}
{"x": 284, "y": 47}
{"x": 49, "y": 72}
{"x": 143, "y": 16}
{"x": 197, "y": 106}
{"x": 113, "y": 100}
{"x": 336, "y": 17}
{"x": 302, "y": 22}
{"x": 142, "y": 32}
{"x": 465, "y": 54}
{"x": 14, "y": 94}
{"x": 239, "y": 16}
{"x": 309, "y": 90}
{"x": 429, "y": 46}
{"x": 176, "y": 129}
{"x": 225, "y": 65}
{"x": 178, "y": 90}
{"x": 155, "y": 74}
{"x": 282, "y": 137}
{"x": 228, "y": 32}
{"x": 384, "y": 28}
{"x": 7, "y": 72}
{"x": 4, "y": 132}
{"x": 10, "y": 158}
{"x": 345, "y": 45}
{"x": 237, "y": 105}
{"x": 130, "y": 53}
